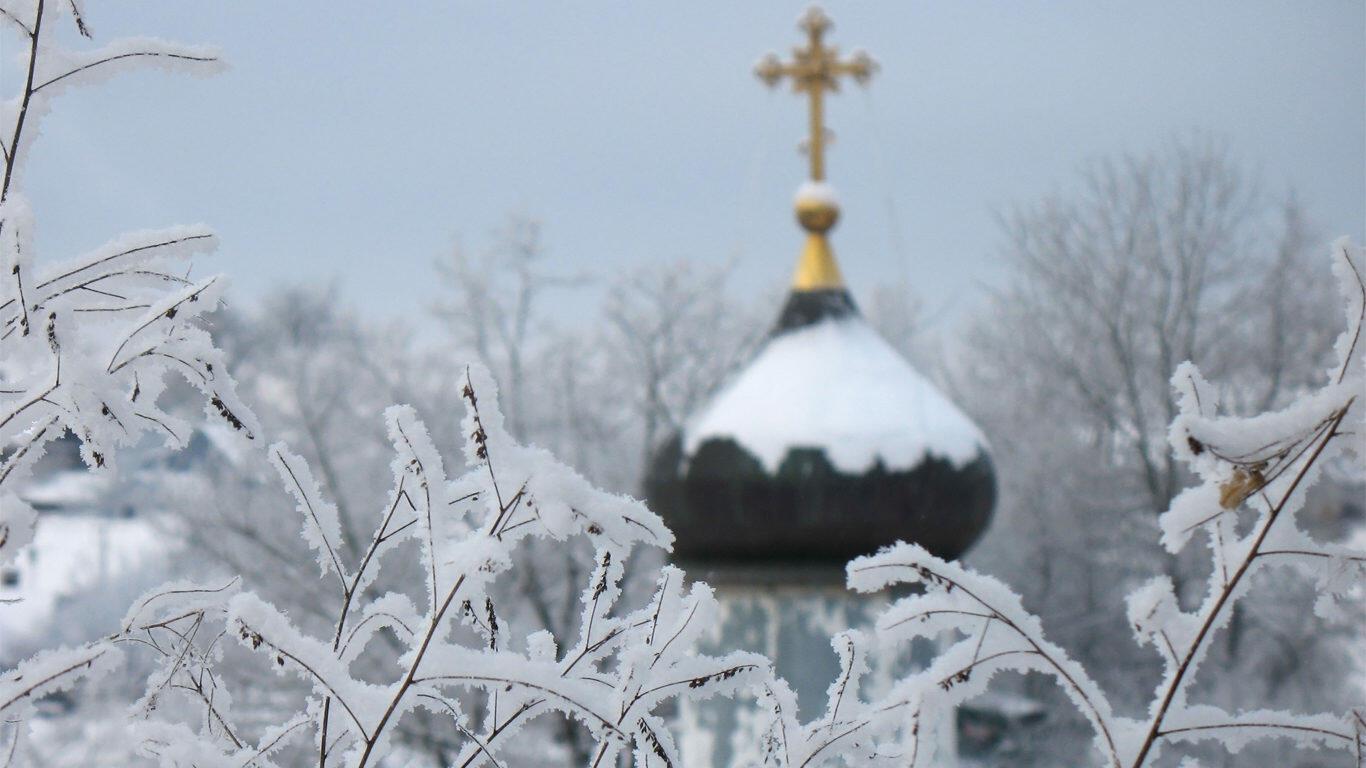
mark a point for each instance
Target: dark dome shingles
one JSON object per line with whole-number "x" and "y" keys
{"x": 724, "y": 507}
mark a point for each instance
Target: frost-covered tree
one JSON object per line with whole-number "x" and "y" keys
{"x": 496, "y": 307}
{"x": 318, "y": 374}
{"x": 617, "y": 672}
{"x": 424, "y": 635}
{"x": 577, "y": 382}
{"x": 600, "y": 398}
{"x": 1155, "y": 260}
{"x": 674, "y": 335}
{"x": 669, "y": 334}
{"x": 1150, "y": 261}
{"x": 614, "y": 675}
{"x": 86, "y": 345}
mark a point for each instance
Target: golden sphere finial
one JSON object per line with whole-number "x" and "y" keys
{"x": 817, "y": 210}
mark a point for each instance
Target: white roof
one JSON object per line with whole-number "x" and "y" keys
{"x": 838, "y": 386}
{"x": 70, "y": 554}
{"x": 68, "y": 488}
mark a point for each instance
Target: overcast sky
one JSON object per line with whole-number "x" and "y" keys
{"x": 360, "y": 141}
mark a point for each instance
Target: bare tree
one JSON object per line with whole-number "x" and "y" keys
{"x": 1150, "y": 261}
{"x": 495, "y": 307}
{"x": 675, "y": 335}
{"x": 577, "y": 378}
{"x": 1154, "y": 261}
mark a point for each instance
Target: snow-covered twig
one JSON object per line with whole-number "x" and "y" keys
{"x": 85, "y": 346}
{"x": 613, "y": 679}
{"x": 1265, "y": 462}
{"x": 999, "y": 634}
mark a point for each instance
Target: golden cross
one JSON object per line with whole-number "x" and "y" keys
{"x": 815, "y": 69}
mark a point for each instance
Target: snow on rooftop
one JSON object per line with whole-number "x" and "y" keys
{"x": 68, "y": 488}
{"x": 837, "y": 385}
{"x": 70, "y": 554}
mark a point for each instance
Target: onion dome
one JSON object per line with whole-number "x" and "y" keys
{"x": 827, "y": 446}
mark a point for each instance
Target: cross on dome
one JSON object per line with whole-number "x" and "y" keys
{"x": 814, "y": 69}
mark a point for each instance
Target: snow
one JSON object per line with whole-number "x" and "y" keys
{"x": 57, "y": 69}
{"x": 16, "y": 526}
{"x": 322, "y": 527}
{"x": 70, "y": 554}
{"x": 51, "y": 671}
{"x": 560, "y": 501}
{"x": 816, "y": 192}
{"x": 839, "y": 386}
{"x": 416, "y": 457}
{"x": 69, "y": 489}
{"x": 60, "y": 68}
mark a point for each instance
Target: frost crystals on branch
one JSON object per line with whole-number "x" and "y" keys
{"x": 996, "y": 632}
{"x": 85, "y": 345}
{"x": 1263, "y": 464}
{"x": 613, "y": 678}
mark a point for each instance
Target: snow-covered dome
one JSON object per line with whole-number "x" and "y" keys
{"x": 838, "y": 386}
{"x": 828, "y": 445}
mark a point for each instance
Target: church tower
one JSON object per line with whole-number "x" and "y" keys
{"x": 827, "y": 446}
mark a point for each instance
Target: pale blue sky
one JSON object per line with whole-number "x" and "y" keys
{"x": 361, "y": 140}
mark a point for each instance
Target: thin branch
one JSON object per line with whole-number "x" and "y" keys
{"x": 19, "y": 453}
{"x": 1311, "y": 553}
{"x": 455, "y": 717}
{"x": 426, "y": 511}
{"x": 105, "y": 260}
{"x": 79, "y": 18}
{"x": 19, "y": 121}
{"x": 1278, "y": 726}
{"x": 489, "y": 678}
{"x": 371, "y": 739}
{"x": 845, "y": 675}
{"x": 332, "y": 692}
{"x": 298, "y": 723}
{"x": 1062, "y": 673}
{"x": 26, "y": 692}
{"x": 184, "y": 591}
{"x": 1361, "y": 318}
{"x": 5, "y": 13}
{"x": 24, "y": 323}
{"x": 1207, "y": 623}
{"x": 132, "y": 55}
{"x": 169, "y": 313}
